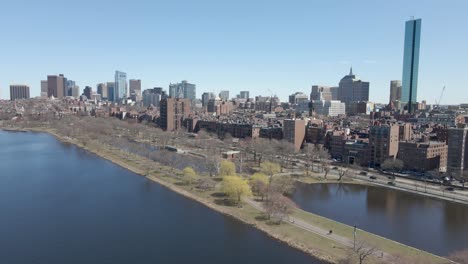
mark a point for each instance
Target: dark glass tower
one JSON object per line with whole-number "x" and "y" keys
{"x": 409, "y": 90}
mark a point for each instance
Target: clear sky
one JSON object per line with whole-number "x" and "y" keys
{"x": 282, "y": 46}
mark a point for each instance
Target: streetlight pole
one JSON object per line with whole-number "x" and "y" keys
{"x": 354, "y": 241}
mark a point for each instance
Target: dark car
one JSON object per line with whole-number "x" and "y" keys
{"x": 391, "y": 183}
{"x": 363, "y": 173}
{"x": 449, "y": 189}
{"x": 373, "y": 178}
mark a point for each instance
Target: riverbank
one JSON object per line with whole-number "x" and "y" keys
{"x": 316, "y": 245}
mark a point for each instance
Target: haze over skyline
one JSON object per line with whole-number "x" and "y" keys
{"x": 282, "y": 47}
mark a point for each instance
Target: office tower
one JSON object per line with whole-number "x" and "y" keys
{"x": 329, "y": 107}
{"x": 298, "y": 97}
{"x": 56, "y": 86}
{"x": 151, "y": 97}
{"x": 75, "y": 92}
{"x": 134, "y": 85}
{"x": 224, "y": 95}
{"x": 173, "y": 111}
{"x": 70, "y": 84}
{"x": 352, "y": 89}
{"x": 319, "y": 92}
{"x": 182, "y": 90}
{"x": 409, "y": 90}
{"x": 383, "y": 142}
{"x": 244, "y": 94}
{"x": 395, "y": 91}
{"x": 110, "y": 91}
{"x": 102, "y": 90}
{"x": 206, "y": 98}
{"x": 18, "y": 91}
{"x": 87, "y": 91}
{"x": 457, "y": 158}
{"x": 120, "y": 90}
{"x": 44, "y": 89}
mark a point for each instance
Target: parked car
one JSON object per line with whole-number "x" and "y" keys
{"x": 334, "y": 168}
{"x": 391, "y": 183}
{"x": 363, "y": 173}
{"x": 373, "y": 178}
{"x": 449, "y": 189}
{"x": 391, "y": 177}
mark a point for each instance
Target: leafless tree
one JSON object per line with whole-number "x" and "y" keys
{"x": 278, "y": 206}
{"x": 363, "y": 251}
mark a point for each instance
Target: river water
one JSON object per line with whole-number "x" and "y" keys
{"x": 60, "y": 204}
{"x": 434, "y": 225}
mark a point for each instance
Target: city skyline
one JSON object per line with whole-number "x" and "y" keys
{"x": 243, "y": 52}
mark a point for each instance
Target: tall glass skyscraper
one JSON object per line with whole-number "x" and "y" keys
{"x": 120, "y": 90}
{"x": 409, "y": 90}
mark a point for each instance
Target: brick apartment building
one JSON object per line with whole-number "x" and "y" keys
{"x": 173, "y": 111}
{"x": 383, "y": 143}
{"x": 424, "y": 156}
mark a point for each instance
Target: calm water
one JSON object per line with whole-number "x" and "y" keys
{"x": 437, "y": 226}
{"x": 59, "y": 204}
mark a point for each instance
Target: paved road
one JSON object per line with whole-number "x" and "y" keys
{"x": 320, "y": 231}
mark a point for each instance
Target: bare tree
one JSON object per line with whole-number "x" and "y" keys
{"x": 278, "y": 206}
{"x": 342, "y": 171}
{"x": 392, "y": 165}
{"x": 363, "y": 251}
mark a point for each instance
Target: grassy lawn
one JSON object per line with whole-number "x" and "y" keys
{"x": 312, "y": 243}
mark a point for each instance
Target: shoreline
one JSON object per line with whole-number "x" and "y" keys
{"x": 228, "y": 211}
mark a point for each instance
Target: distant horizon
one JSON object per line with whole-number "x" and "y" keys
{"x": 257, "y": 47}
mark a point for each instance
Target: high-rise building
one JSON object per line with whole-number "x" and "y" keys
{"x": 409, "y": 91}
{"x": 383, "y": 142}
{"x": 294, "y": 132}
{"x": 120, "y": 91}
{"x": 244, "y": 94}
{"x": 224, "y": 95}
{"x": 70, "y": 85}
{"x": 56, "y": 86}
{"x": 298, "y": 97}
{"x": 111, "y": 91}
{"x": 134, "y": 85}
{"x": 87, "y": 91}
{"x": 329, "y": 108}
{"x": 326, "y": 93}
{"x": 457, "y": 158}
{"x": 152, "y": 96}
{"x": 206, "y": 97}
{"x": 182, "y": 90}
{"x": 44, "y": 89}
{"x": 102, "y": 90}
{"x": 352, "y": 89}
{"x": 395, "y": 90}
{"x": 75, "y": 91}
{"x": 173, "y": 111}
{"x": 19, "y": 91}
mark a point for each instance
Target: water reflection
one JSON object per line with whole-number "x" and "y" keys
{"x": 426, "y": 223}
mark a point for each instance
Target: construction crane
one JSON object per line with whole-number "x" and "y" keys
{"x": 437, "y": 103}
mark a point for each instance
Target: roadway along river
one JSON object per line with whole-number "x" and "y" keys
{"x": 60, "y": 204}
{"x": 436, "y": 226}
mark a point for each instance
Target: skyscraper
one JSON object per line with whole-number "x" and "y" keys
{"x": 182, "y": 90}
{"x": 44, "y": 89}
{"x": 19, "y": 92}
{"x": 102, "y": 90}
{"x": 411, "y": 63}
{"x": 395, "y": 91}
{"x": 352, "y": 89}
{"x": 135, "y": 89}
{"x": 120, "y": 92}
{"x": 56, "y": 86}
{"x": 70, "y": 85}
{"x": 224, "y": 95}
{"x": 244, "y": 94}
{"x": 110, "y": 91}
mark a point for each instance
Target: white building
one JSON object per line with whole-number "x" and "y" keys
{"x": 329, "y": 107}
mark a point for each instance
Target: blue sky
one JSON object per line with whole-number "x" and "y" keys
{"x": 282, "y": 46}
